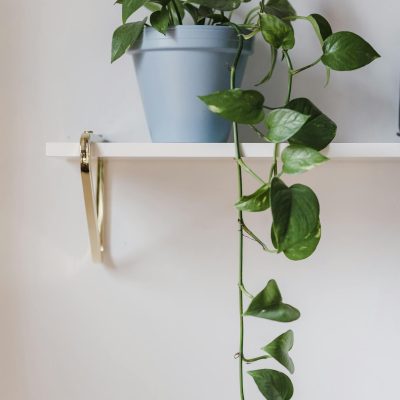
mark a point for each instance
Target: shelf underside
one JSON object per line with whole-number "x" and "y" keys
{"x": 217, "y": 150}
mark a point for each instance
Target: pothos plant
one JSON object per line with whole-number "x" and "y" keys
{"x": 296, "y": 230}
{"x": 165, "y": 14}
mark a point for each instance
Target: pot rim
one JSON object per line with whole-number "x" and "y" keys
{"x": 186, "y": 37}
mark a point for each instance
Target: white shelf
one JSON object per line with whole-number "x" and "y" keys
{"x": 218, "y": 150}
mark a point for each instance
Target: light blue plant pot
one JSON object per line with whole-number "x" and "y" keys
{"x": 173, "y": 70}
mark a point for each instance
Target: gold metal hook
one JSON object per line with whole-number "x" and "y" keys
{"x": 93, "y": 194}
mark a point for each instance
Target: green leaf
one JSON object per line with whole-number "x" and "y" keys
{"x": 223, "y": 5}
{"x": 276, "y": 32}
{"x": 279, "y": 350}
{"x": 124, "y": 37}
{"x": 321, "y": 26}
{"x": 130, "y": 6}
{"x": 242, "y": 106}
{"x": 318, "y": 131}
{"x": 280, "y": 8}
{"x": 346, "y": 51}
{"x": 323, "y": 30}
{"x": 297, "y": 158}
{"x": 303, "y": 249}
{"x": 274, "y": 385}
{"x": 283, "y": 123}
{"x": 295, "y": 212}
{"x": 192, "y": 10}
{"x": 268, "y": 305}
{"x": 160, "y": 20}
{"x": 258, "y": 201}
{"x": 153, "y": 6}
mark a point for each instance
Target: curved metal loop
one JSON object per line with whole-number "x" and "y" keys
{"x": 93, "y": 194}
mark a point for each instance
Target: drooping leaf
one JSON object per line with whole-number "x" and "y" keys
{"x": 274, "y": 53}
{"x": 160, "y": 20}
{"x": 276, "y": 32}
{"x": 255, "y": 202}
{"x": 268, "y": 305}
{"x": 318, "y": 131}
{"x": 346, "y": 51}
{"x": 242, "y": 106}
{"x": 280, "y": 8}
{"x": 124, "y": 37}
{"x": 297, "y": 158}
{"x": 274, "y": 385}
{"x": 283, "y": 123}
{"x": 279, "y": 350}
{"x": 321, "y": 26}
{"x": 223, "y": 5}
{"x": 295, "y": 212}
{"x": 130, "y": 6}
{"x": 305, "y": 248}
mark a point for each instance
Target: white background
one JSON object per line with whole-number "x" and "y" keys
{"x": 159, "y": 321}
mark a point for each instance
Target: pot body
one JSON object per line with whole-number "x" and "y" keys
{"x": 173, "y": 70}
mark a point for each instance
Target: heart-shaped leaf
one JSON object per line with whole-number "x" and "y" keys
{"x": 130, "y": 6}
{"x": 280, "y": 8}
{"x": 276, "y": 32}
{"x": 283, "y": 123}
{"x": 297, "y": 158}
{"x": 305, "y": 248}
{"x": 318, "y": 131}
{"x": 295, "y": 212}
{"x": 279, "y": 350}
{"x": 242, "y": 106}
{"x": 257, "y": 201}
{"x": 268, "y": 305}
{"x": 160, "y": 20}
{"x": 346, "y": 51}
{"x": 124, "y": 37}
{"x": 274, "y": 385}
{"x": 223, "y": 5}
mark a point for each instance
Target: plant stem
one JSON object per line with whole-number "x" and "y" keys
{"x": 296, "y": 71}
{"x": 246, "y": 292}
{"x": 250, "y": 171}
{"x": 177, "y": 12}
{"x": 251, "y": 360}
{"x": 240, "y": 215}
{"x": 290, "y": 75}
{"x": 256, "y": 238}
{"x": 274, "y": 167}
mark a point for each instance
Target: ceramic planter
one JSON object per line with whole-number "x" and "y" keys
{"x": 173, "y": 70}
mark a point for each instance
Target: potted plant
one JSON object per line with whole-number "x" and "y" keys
{"x": 304, "y": 130}
{"x": 175, "y": 63}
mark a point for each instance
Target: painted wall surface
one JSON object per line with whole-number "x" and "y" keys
{"x": 159, "y": 321}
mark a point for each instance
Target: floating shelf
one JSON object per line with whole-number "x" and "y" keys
{"x": 344, "y": 151}
{"x": 92, "y": 153}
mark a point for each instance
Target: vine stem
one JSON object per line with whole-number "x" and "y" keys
{"x": 178, "y": 15}
{"x": 240, "y": 214}
{"x": 290, "y": 75}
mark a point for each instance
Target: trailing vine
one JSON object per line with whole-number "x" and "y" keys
{"x": 298, "y": 127}
{"x": 296, "y": 228}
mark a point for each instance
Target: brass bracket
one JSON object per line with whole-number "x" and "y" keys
{"x": 93, "y": 194}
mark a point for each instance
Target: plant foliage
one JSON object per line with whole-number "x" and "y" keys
{"x": 297, "y": 124}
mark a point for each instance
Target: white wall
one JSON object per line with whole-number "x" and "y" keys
{"x": 159, "y": 322}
